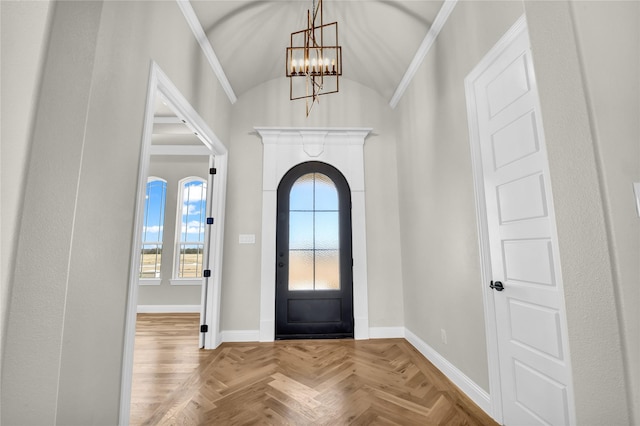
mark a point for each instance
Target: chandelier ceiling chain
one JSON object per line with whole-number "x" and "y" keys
{"x": 314, "y": 59}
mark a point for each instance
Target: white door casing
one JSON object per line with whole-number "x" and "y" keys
{"x": 530, "y": 371}
{"x": 288, "y": 147}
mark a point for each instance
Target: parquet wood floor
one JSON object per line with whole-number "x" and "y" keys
{"x": 294, "y": 382}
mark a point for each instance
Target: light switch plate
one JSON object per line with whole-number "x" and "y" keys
{"x": 247, "y": 238}
{"x": 636, "y": 189}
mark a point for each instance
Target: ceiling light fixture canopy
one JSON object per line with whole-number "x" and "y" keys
{"x": 314, "y": 59}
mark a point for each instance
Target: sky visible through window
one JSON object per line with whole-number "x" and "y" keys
{"x": 194, "y": 202}
{"x": 154, "y": 211}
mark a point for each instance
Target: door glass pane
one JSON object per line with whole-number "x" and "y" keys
{"x": 326, "y": 194}
{"x": 327, "y": 276}
{"x": 314, "y": 234}
{"x": 327, "y": 230}
{"x": 301, "y": 195}
{"x": 301, "y": 230}
{"x": 301, "y": 270}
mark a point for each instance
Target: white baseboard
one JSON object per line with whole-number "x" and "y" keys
{"x": 466, "y": 385}
{"x": 240, "y": 335}
{"x": 386, "y": 332}
{"x": 168, "y": 309}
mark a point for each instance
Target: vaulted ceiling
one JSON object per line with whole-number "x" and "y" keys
{"x": 379, "y": 38}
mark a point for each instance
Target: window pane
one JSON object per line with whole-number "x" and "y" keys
{"x": 300, "y": 269}
{"x": 152, "y": 229}
{"x": 192, "y": 228}
{"x": 150, "y": 260}
{"x": 327, "y": 227}
{"x": 327, "y": 263}
{"x": 190, "y": 261}
{"x": 326, "y": 194}
{"x": 301, "y": 195}
{"x": 301, "y": 230}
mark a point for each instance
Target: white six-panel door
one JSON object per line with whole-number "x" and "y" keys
{"x": 519, "y": 233}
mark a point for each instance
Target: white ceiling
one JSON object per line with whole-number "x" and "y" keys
{"x": 379, "y": 38}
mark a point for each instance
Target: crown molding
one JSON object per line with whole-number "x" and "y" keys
{"x": 429, "y": 39}
{"x": 201, "y": 37}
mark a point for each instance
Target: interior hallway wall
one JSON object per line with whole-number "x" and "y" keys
{"x": 608, "y": 36}
{"x": 441, "y": 260}
{"x": 268, "y": 105}
{"x": 63, "y": 355}
{"x": 586, "y": 60}
{"x": 24, "y": 36}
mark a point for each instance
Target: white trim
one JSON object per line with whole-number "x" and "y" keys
{"x": 466, "y": 385}
{"x": 149, "y": 281}
{"x": 168, "y": 309}
{"x": 240, "y": 336}
{"x": 386, "y": 332}
{"x": 284, "y": 148}
{"x": 161, "y": 85}
{"x": 421, "y": 53}
{"x": 207, "y": 50}
{"x": 185, "y": 281}
{"x": 180, "y": 150}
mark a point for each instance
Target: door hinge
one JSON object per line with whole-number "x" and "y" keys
{"x": 209, "y": 221}
{"x": 212, "y": 171}
{"x": 204, "y": 328}
{"x": 206, "y": 273}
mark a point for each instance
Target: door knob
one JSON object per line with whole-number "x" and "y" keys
{"x": 497, "y": 286}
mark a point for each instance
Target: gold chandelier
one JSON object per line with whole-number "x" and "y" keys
{"x": 314, "y": 59}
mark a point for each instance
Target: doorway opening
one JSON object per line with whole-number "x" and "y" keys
{"x": 167, "y": 107}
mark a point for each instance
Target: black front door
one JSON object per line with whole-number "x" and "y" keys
{"x": 314, "y": 277}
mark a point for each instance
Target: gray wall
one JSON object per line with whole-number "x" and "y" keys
{"x": 440, "y": 257}
{"x": 612, "y": 78}
{"x": 64, "y": 341}
{"x": 172, "y": 169}
{"x": 24, "y": 38}
{"x": 586, "y": 60}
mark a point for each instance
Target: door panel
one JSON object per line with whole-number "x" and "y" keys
{"x": 314, "y": 288}
{"x": 535, "y": 376}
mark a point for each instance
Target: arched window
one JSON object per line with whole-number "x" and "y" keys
{"x": 192, "y": 209}
{"x": 152, "y": 230}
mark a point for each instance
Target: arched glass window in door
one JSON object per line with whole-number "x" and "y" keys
{"x": 314, "y": 234}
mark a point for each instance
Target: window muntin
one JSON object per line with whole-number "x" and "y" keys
{"x": 192, "y": 213}
{"x": 314, "y": 234}
{"x": 152, "y": 229}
